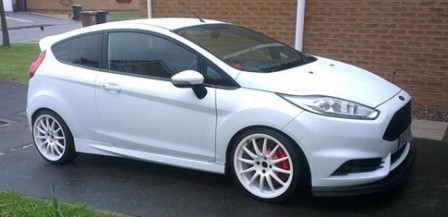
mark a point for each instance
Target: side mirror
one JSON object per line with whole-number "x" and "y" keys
{"x": 190, "y": 79}
{"x": 187, "y": 79}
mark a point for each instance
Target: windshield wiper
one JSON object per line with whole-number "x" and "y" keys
{"x": 308, "y": 58}
{"x": 284, "y": 66}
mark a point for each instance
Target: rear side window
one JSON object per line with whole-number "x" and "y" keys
{"x": 148, "y": 55}
{"x": 83, "y": 50}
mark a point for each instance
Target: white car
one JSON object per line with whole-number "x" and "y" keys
{"x": 217, "y": 97}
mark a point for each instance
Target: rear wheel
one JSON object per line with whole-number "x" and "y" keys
{"x": 52, "y": 138}
{"x": 266, "y": 164}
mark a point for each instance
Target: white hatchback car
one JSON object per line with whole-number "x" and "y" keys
{"x": 211, "y": 96}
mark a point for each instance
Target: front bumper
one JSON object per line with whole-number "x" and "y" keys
{"x": 346, "y": 154}
{"x": 395, "y": 178}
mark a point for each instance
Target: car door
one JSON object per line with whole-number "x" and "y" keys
{"x": 141, "y": 111}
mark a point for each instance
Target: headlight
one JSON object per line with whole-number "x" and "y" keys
{"x": 334, "y": 107}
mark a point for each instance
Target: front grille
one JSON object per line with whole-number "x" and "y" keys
{"x": 359, "y": 166}
{"x": 399, "y": 123}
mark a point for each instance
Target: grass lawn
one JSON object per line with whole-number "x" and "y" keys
{"x": 124, "y": 14}
{"x": 12, "y": 204}
{"x": 15, "y": 61}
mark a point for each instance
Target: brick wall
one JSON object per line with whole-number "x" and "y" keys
{"x": 405, "y": 41}
{"x": 401, "y": 40}
{"x": 274, "y": 18}
{"x": 66, "y": 5}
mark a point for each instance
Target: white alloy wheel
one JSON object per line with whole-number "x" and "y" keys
{"x": 265, "y": 165}
{"x": 52, "y": 138}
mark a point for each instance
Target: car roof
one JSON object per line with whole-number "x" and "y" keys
{"x": 168, "y": 23}
{"x": 163, "y": 23}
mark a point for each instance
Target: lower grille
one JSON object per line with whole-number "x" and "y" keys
{"x": 399, "y": 123}
{"x": 359, "y": 166}
{"x": 397, "y": 154}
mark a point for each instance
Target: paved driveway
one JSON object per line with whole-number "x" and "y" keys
{"x": 14, "y": 131}
{"x": 146, "y": 189}
{"x": 24, "y": 27}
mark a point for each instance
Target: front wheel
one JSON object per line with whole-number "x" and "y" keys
{"x": 53, "y": 138}
{"x": 267, "y": 165}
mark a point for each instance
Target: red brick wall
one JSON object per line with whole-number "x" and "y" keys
{"x": 408, "y": 37}
{"x": 276, "y": 18}
{"x": 66, "y": 5}
{"x": 401, "y": 40}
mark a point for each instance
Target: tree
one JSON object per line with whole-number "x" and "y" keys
{"x": 4, "y": 25}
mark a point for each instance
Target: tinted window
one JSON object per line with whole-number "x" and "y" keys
{"x": 146, "y": 54}
{"x": 242, "y": 48}
{"x": 214, "y": 76}
{"x": 82, "y": 50}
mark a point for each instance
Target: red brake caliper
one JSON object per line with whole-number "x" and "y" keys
{"x": 282, "y": 165}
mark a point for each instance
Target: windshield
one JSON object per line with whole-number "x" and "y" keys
{"x": 243, "y": 49}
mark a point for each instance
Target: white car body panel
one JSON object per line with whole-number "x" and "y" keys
{"x": 171, "y": 122}
{"x": 242, "y": 108}
{"x": 324, "y": 77}
{"x": 73, "y": 105}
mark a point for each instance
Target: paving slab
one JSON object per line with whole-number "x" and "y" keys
{"x": 434, "y": 130}
{"x": 29, "y": 27}
{"x": 17, "y": 20}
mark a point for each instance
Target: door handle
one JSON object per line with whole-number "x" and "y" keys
{"x": 111, "y": 87}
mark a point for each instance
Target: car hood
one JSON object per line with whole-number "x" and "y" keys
{"x": 324, "y": 77}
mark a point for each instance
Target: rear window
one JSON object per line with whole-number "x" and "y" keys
{"x": 82, "y": 50}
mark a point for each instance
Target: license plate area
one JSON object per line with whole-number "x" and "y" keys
{"x": 405, "y": 137}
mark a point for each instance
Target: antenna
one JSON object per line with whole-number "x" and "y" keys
{"x": 200, "y": 19}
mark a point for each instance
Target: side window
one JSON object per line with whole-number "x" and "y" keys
{"x": 213, "y": 76}
{"x": 149, "y": 55}
{"x": 82, "y": 50}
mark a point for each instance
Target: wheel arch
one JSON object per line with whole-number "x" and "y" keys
{"x": 57, "y": 132}
{"x": 296, "y": 146}
{"x": 42, "y": 98}
{"x": 41, "y": 109}
{"x": 37, "y": 111}
{"x": 51, "y": 101}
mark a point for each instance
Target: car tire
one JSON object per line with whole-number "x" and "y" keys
{"x": 52, "y": 138}
{"x": 267, "y": 165}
